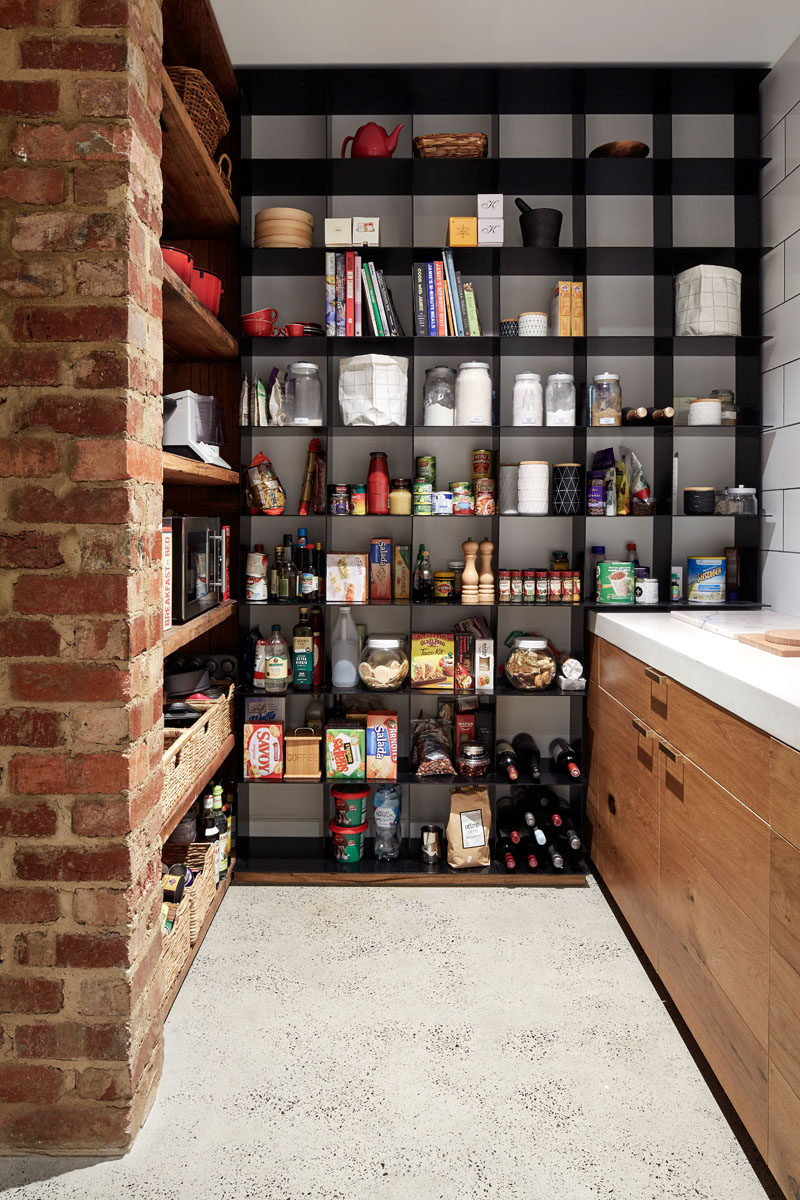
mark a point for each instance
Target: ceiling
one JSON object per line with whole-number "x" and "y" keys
{"x": 507, "y": 31}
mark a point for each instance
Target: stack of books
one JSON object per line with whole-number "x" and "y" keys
{"x": 444, "y": 305}
{"x": 357, "y": 299}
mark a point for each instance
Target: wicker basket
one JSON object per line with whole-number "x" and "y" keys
{"x": 190, "y": 754}
{"x": 202, "y": 104}
{"x": 175, "y": 946}
{"x": 200, "y": 896}
{"x": 451, "y": 145}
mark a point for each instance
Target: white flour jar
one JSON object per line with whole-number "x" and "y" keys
{"x": 473, "y": 394}
{"x": 527, "y": 400}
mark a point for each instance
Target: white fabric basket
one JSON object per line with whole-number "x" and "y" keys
{"x": 708, "y": 301}
{"x": 373, "y": 389}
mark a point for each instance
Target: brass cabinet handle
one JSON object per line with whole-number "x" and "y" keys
{"x": 642, "y": 730}
{"x": 654, "y": 675}
{"x": 673, "y": 755}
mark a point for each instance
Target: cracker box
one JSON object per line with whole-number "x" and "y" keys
{"x": 464, "y": 728}
{"x": 345, "y": 752}
{"x": 382, "y": 745}
{"x": 561, "y": 310}
{"x": 346, "y": 578}
{"x": 432, "y": 661}
{"x": 484, "y": 664}
{"x": 464, "y": 652}
{"x": 263, "y": 750}
{"x": 402, "y": 574}
{"x": 463, "y": 231}
{"x": 380, "y": 570}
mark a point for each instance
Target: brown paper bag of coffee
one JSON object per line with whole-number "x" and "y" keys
{"x": 468, "y": 827}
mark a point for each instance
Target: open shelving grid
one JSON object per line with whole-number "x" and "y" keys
{"x": 629, "y": 226}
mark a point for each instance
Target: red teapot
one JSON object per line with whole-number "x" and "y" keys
{"x": 372, "y": 141}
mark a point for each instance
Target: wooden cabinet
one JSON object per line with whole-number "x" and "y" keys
{"x": 784, "y": 1014}
{"x": 784, "y": 1140}
{"x": 639, "y": 687}
{"x": 784, "y": 791}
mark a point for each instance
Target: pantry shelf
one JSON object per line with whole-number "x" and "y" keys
{"x": 191, "y": 332}
{"x": 399, "y": 873}
{"x": 188, "y": 471}
{"x": 171, "y": 995}
{"x": 196, "y": 787}
{"x": 180, "y": 635}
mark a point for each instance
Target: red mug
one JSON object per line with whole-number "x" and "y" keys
{"x": 293, "y": 330}
{"x": 260, "y": 323}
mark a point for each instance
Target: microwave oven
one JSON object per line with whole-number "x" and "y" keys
{"x": 200, "y": 571}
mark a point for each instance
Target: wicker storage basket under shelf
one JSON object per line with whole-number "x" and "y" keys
{"x": 200, "y": 896}
{"x": 202, "y": 104}
{"x": 175, "y": 946}
{"x": 191, "y": 753}
{"x": 451, "y": 145}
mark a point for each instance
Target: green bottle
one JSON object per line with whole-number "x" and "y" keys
{"x": 221, "y": 822}
{"x": 303, "y": 653}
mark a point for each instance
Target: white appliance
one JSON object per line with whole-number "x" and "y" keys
{"x": 193, "y": 427}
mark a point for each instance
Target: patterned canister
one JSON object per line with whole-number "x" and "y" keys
{"x": 507, "y": 491}
{"x": 567, "y": 490}
{"x": 533, "y": 488}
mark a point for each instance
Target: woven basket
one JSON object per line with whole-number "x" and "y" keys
{"x": 202, "y": 104}
{"x": 200, "y": 896}
{"x": 175, "y": 947}
{"x": 451, "y": 145}
{"x": 191, "y": 753}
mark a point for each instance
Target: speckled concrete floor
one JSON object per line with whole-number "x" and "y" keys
{"x": 425, "y": 1044}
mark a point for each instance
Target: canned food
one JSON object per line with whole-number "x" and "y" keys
{"x": 442, "y": 503}
{"x": 358, "y": 500}
{"x": 542, "y": 587}
{"x": 461, "y": 487}
{"x": 554, "y": 586}
{"x": 484, "y": 506}
{"x": 504, "y": 587}
{"x": 463, "y": 505}
{"x": 422, "y": 487}
{"x": 705, "y": 580}
{"x": 339, "y": 499}
{"x": 615, "y": 582}
{"x": 426, "y": 468}
{"x": 516, "y": 587}
{"x": 422, "y": 506}
{"x": 481, "y": 464}
{"x": 529, "y": 587}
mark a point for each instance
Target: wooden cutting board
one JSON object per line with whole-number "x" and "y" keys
{"x": 783, "y": 642}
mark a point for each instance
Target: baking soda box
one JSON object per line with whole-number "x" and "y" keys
{"x": 382, "y": 745}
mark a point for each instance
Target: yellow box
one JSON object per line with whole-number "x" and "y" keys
{"x": 578, "y": 318}
{"x": 561, "y": 310}
{"x": 463, "y": 231}
{"x": 432, "y": 661}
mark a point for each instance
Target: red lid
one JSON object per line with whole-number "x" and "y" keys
{"x": 334, "y": 828}
{"x": 350, "y": 791}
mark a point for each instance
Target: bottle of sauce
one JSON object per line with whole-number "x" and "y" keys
{"x": 303, "y": 653}
{"x": 378, "y": 484}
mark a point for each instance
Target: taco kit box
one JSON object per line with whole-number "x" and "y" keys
{"x": 432, "y": 660}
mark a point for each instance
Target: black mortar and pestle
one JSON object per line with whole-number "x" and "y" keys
{"x": 540, "y": 226}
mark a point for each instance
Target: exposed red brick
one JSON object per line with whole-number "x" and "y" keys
{"x": 29, "y": 368}
{"x": 89, "y": 323}
{"x": 108, "y": 277}
{"x": 104, "y": 997}
{"x": 103, "y": 97}
{"x": 27, "y": 277}
{"x": 55, "y": 143}
{"x": 33, "y": 549}
{"x": 96, "y": 184}
{"x": 90, "y": 594}
{"x": 115, "y": 459}
{"x": 35, "y": 98}
{"x": 27, "y": 820}
{"x": 85, "y": 1126}
{"x": 76, "y": 775}
{"x": 70, "y": 1039}
{"x": 81, "y": 415}
{"x": 58, "y": 230}
{"x": 28, "y": 639}
{"x": 91, "y": 950}
{"x": 74, "y": 682}
{"x": 24, "y": 905}
{"x": 35, "y": 949}
{"x": 100, "y": 369}
{"x": 45, "y": 53}
{"x": 101, "y": 820}
{"x": 72, "y": 863}
{"x": 29, "y": 727}
{"x": 27, "y": 457}
{"x": 97, "y": 1083}
{"x": 103, "y": 12}
{"x": 32, "y": 185}
{"x": 21, "y": 994}
{"x": 100, "y": 908}
{"x": 29, "y": 1084}
{"x": 84, "y": 506}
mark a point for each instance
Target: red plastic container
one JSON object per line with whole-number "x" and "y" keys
{"x": 208, "y": 288}
{"x": 180, "y": 261}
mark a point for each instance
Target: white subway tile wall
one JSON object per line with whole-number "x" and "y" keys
{"x": 780, "y": 533}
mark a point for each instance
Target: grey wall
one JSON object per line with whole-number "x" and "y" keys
{"x": 780, "y": 536}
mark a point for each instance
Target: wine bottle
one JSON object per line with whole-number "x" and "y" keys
{"x": 663, "y": 414}
{"x": 632, "y": 415}
{"x": 527, "y": 816}
{"x": 506, "y": 759}
{"x": 527, "y": 850}
{"x": 555, "y": 856}
{"x": 564, "y": 757}
{"x": 568, "y": 831}
{"x": 549, "y": 808}
{"x": 505, "y": 852}
{"x": 506, "y": 819}
{"x": 528, "y": 755}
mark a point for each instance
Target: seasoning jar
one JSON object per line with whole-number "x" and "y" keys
{"x": 554, "y": 585}
{"x": 456, "y": 565}
{"x": 529, "y": 587}
{"x": 503, "y": 587}
{"x": 728, "y": 405}
{"x": 559, "y": 399}
{"x": 605, "y": 400}
{"x": 358, "y": 500}
{"x": 400, "y": 498}
{"x": 741, "y": 501}
{"x": 542, "y": 587}
{"x": 516, "y": 587}
{"x": 439, "y": 396}
{"x": 473, "y": 394}
{"x": 443, "y": 587}
{"x": 378, "y": 484}
{"x": 303, "y": 398}
{"x": 473, "y": 760}
{"x": 527, "y": 400}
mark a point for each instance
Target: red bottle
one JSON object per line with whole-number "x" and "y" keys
{"x": 378, "y": 484}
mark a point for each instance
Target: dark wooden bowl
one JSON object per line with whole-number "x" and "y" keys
{"x": 623, "y": 149}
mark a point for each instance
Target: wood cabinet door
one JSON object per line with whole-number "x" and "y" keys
{"x": 784, "y": 1140}
{"x": 638, "y": 687}
{"x": 784, "y": 791}
{"x": 784, "y": 1019}
{"x": 784, "y": 886}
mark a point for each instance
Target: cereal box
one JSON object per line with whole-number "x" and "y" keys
{"x": 464, "y": 649}
{"x": 561, "y": 310}
{"x": 382, "y": 745}
{"x": 346, "y": 578}
{"x": 484, "y": 664}
{"x": 578, "y": 318}
{"x": 345, "y": 752}
{"x": 263, "y": 750}
{"x": 402, "y": 574}
{"x": 380, "y": 570}
{"x": 432, "y": 660}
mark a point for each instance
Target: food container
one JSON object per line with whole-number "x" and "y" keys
{"x": 432, "y": 661}
{"x": 442, "y": 504}
{"x": 400, "y": 497}
{"x": 605, "y": 400}
{"x": 741, "y": 501}
{"x": 439, "y": 396}
{"x": 516, "y": 587}
{"x": 426, "y": 469}
{"x": 705, "y": 411}
{"x": 303, "y": 402}
{"x": 338, "y": 499}
{"x": 348, "y": 841}
{"x": 542, "y": 587}
{"x": 699, "y": 501}
{"x": 473, "y": 760}
{"x": 473, "y": 394}
{"x": 528, "y": 587}
{"x": 350, "y": 800}
{"x": 381, "y": 745}
{"x": 484, "y": 498}
{"x": 615, "y": 582}
{"x": 481, "y": 464}
{"x": 345, "y": 752}
{"x": 504, "y": 587}
{"x": 384, "y": 663}
{"x": 705, "y": 580}
{"x": 208, "y": 288}
{"x": 531, "y": 665}
{"x": 358, "y": 500}
{"x": 180, "y": 261}
{"x": 443, "y": 586}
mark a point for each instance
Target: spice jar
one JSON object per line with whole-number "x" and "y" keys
{"x": 516, "y": 587}
{"x": 527, "y": 401}
{"x": 504, "y": 587}
{"x": 443, "y": 587}
{"x": 378, "y": 484}
{"x": 542, "y": 587}
{"x": 473, "y": 760}
{"x": 529, "y": 587}
{"x": 473, "y": 394}
{"x": 456, "y": 565}
{"x": 400, "y": 498}
{"x": 439, "y": 396}
{"x": 741, "y": 501}
{"x": 559, "y": 399}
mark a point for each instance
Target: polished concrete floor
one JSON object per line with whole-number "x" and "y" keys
{"x": 417, "y": 1044}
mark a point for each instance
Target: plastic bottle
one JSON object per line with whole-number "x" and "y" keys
{"x": 387, "y": 822}
{"x": 344, "y": 651}
{"x": 632, "y": 553}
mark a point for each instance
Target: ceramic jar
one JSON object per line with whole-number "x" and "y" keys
{"x": 705, "y": 412}
{"x": 533, "y": 488}
{"x": 508, "y": 489}
{"x": 533, "y": 324}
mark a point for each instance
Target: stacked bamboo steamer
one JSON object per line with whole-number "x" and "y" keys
{"x": 284, "y": 227}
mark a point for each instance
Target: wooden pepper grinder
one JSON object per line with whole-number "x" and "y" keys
{"x": 486, "y": 576}
{"x": 469, "y": 576}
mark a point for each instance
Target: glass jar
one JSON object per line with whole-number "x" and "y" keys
{"x": 473, "y": 760}
{"x": 503, "y": 587}
{"x": 516, "y": 587}
{"x": 378, "y": 484}
{"x": 530, "y": 666}
{"x": 473, "y": 394}
{"x": 527, "y": 403}
{"x": 559, "y": 399}
{"x": 741, "y": 501}
{"x": 439, "y": 396}
{"x": 303, "y": 400}
{"x": 605, "y": 400}
{"x": 400, "y": 498}
{"x": 728, "y": 403}
{"x": 384, "y": 663}
{"x": 443, "y": 587}
{"x": 456, "y": 565}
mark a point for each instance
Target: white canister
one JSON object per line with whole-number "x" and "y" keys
{"x": 473, "y": 394}
{"x": 705, "y": 412}
{"x": 507, "y": 489}
{"x": 527, "y": 400}
{"x": 646, "y": 591}
{"x": 533, "y": 488}
{"x": 559, "y": 399}
{"x": 533, "y": 324}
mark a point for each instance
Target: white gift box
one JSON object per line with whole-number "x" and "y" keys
{"x": 490, "y": 204}
{"x": 708, "y": 302}
{"x": 338, "y": 231}
{"x": 366, "y": 231}
{"x": 490, "y": 231}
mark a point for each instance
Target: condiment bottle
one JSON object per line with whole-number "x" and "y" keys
{"x": 378, "y": 484}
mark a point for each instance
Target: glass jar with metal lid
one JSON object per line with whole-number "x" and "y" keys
{"x": 303, "y": 402}
{"x": 439, "y": 396}
{"x": 559, "y": 399}
{"x": 384, "y": 663}
{"x": 605, "y": 400}
{"x": 473, "y": 394}
{"x": 473, "y": 760}
{"x": 741, "y": 501}
{"x": 531, "y": 665}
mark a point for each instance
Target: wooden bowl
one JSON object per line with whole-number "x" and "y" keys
{"x": 292, "y": 214}
{"x": 623, "y": 149}
{"x": 277, "y": 243}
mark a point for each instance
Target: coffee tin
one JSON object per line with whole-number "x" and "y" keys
{"x": 339, "y": 499}
{"x": 615, "y": 582}
{"x": 705, "y": 580}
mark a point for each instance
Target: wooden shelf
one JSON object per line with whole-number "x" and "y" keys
{"x": 191, "y": 332}
{"x": 171, "y": 995}
{"x": 400, "y": 873}
{"x": 189, "y": 472}
{"x": 197, "y": 785}
{"x": 192, "y": 35}
{"x": 179, "y": 635}
{"x": 196, "y": 201}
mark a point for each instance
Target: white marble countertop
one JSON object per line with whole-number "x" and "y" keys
{"x": 758, "y": 687}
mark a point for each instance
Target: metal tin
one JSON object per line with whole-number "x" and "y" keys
{"x": 705, "y": 579}
{"x": 461, "y": 487}
{"x": 481, "y": 464}
{"x": 339, "y": 500}
{"x": 358, "y": 500}
{"x": 426, "y": 468}
{"x": 442, "y": 503}
{"x": 615, "y": 582}
{"x": 463, "y": 505}
{"x": 484, "y": 498}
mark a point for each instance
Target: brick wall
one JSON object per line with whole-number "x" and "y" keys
{"x": 80, "y": 495}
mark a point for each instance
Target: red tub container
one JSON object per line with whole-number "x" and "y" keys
{"x": 180, "y": 261}
{"x": 208, "y": 288}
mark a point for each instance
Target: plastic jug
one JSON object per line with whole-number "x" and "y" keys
{"x": 344, "y": 651}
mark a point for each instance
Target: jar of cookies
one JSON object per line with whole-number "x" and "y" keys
{"x": 384, "y": 663}
{"x": 531, "y": 665}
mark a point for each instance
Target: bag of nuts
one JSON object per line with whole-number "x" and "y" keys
{"x": 469, "y": 827}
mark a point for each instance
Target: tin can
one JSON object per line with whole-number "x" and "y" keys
{"x": 615, "y": 583}
{"x": 422, "y": 506}
{"x": 338, "y": 499}
{"x": 442, "y": 503}
{"x": 422, "y": 486}
{"x": 463, "y": 505}
{"x": 554, "y": 586}
{"x": 576, "y": 587}
{"x": 443, "y": 586}
{"x": 358, "y": 500}
{"x": 504, "y": 587}
{"x": 516, "y": 587}
{"x": 529, "y": 587}
{"x": 426, "y": 468}
{"x": 484, "y": 499}
{"x": 481, "y": 464}
{"x": 461, "y": 487}
{"x": 705, "y": 580}
{"x": 542, "y": 587}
